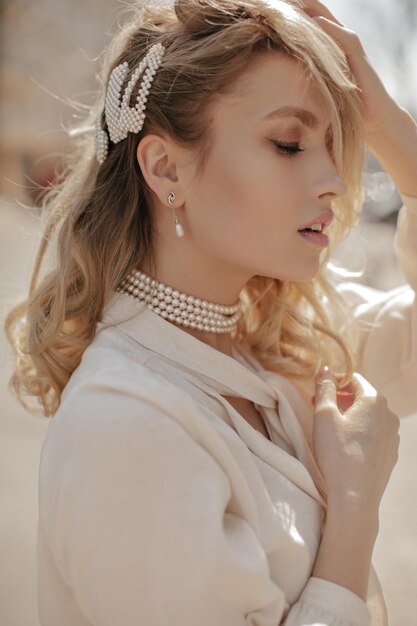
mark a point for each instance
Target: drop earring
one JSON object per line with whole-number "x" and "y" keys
{"x": 179, "y": 230}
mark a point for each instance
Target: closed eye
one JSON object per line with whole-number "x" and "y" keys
{"x": 290, "y": 149}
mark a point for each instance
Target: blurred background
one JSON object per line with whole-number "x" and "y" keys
{"x": 49, "y": 52}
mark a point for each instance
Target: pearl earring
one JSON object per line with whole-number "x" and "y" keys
{"x": 179, "y": 230}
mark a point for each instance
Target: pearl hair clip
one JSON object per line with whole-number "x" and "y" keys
{"x": 122, "y": 119}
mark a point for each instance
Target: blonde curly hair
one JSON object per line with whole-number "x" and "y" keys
{"x": 100, "y": 220}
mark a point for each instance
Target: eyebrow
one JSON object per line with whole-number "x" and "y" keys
{"x": 307, "y": 117}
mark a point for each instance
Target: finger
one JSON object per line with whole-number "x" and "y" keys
{"x": 316, "y": 8}
{"x": 344, "y": 402}
{"x": 348, "y": 389}
{"x": 325, "y": 390}
{"x": 363, "y": 387}
{"x": 347, "y": 39}
{"x": 339, "y": 377}
{"x": 345, "y": 398}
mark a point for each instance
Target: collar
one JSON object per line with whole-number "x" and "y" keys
{"x": 228, "y": 375}
{"x": 219, "y": 374}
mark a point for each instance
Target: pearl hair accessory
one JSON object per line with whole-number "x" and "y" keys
{"x": 179, "y": 230}
{"x": 122, "y": 119}
{"x": 179, "y": 307}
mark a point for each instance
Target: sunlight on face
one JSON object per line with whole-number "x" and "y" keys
{"x": 270, "y": 172}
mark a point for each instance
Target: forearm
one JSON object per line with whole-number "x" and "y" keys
{"x": 395, "y": 147}
{"x": 345, "y": 552}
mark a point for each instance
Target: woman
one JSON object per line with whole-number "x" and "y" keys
{"x": 202, "y": 467}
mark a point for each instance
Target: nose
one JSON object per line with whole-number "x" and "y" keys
{"x": 328, "y": 182}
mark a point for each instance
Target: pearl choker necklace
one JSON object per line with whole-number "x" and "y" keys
{"x": 179, "y": 307}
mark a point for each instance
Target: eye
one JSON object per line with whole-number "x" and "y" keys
{"x": 290, "y": 149}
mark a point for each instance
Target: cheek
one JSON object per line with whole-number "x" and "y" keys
{"x": 245, "y": 210}
{"x": 230, "y": 189}
{"x": 250, "y": 183}
{"x": 226, "y": 222}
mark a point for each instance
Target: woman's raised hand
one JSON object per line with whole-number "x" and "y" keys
{"x": 376, "y": 101}
{"x": 357, "y": 450}
{"x": 391, "y": 132}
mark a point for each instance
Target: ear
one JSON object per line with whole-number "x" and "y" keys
{"x": 158, "y": 159}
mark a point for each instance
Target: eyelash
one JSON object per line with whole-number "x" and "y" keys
{"x": 290, "y": 149}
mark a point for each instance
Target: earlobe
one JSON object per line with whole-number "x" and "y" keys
{"x": 156, "y": 160}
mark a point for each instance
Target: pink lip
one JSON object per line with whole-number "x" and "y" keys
{"x": 325, "y": 218}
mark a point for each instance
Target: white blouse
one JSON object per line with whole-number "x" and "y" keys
{"x": 160, "y": 505}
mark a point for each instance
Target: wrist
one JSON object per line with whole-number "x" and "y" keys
{"x": 353, "y": 512}
{"x": 393, "y": 135}
{"x": 394, "y": 143}
{"x": 395, "y": 120}
{"x": 345, "y": 553}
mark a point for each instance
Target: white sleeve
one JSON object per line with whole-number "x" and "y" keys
{"x": 323, "y": 602}
{"x": 136, "y": 513}
{"x": 387, "y": 322}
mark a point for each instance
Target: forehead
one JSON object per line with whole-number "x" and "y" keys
{"x": 274, "y": 81}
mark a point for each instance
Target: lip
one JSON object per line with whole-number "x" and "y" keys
{"x": 317, "y": 239}
{"x": 325, "y": 219}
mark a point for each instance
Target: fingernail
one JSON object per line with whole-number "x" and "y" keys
{"x": 324, "y": 369}
{"x": 324, "y": 372}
